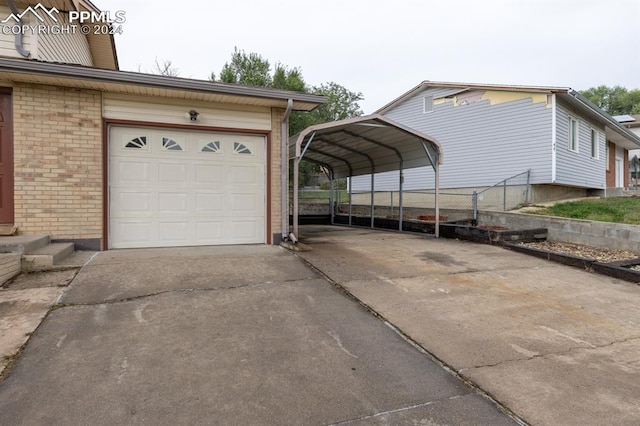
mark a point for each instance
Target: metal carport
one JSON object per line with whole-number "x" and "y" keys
{"x": 362, "y": 146}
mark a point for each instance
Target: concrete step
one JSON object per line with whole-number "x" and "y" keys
{"x": 46, "y": 257}
{"x": 23, "y": 243}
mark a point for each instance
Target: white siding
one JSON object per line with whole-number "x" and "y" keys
{"x": 158, "y": 110}
{"x": 8, "y": 41}
{"x": 64, "y": 48}
{"x": 492, "y": 137}
{"x": 578, "y": 168}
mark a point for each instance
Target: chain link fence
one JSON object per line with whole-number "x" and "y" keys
{"x": 462, "y": 204}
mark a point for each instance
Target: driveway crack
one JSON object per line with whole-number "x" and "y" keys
{"x": 396, "y": 410}
{"x": 163, "y": 292}
{"x": 590, "y": 347}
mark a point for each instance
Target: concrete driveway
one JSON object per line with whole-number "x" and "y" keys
{"x": 557, "y": 345}
{"x": 226, "y": 335}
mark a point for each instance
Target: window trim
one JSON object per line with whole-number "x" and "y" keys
{"x": 576, "y": 134}
{"x": 596, "y": 133}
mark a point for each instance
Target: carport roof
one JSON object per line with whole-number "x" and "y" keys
{"x": 362, "y": 145}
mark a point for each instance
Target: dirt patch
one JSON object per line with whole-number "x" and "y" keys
{"x": 603, "y": 255}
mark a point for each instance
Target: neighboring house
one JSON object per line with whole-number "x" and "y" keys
{"x": 113, "y": 159}
{"x": 492, "y": 132}
{"x": 632, "y": 122}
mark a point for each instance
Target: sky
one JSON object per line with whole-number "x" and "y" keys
{"x": 384, "y": 48}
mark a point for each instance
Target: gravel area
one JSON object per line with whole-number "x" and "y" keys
{"x": 602, "y": 255}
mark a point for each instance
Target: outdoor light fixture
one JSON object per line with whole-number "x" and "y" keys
{"x": 192, "y": 115}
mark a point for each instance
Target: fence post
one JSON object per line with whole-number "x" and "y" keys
{"x": 504, "y": 196}
{"x": 474, "y": 206}
{"x": 526, "y": 194}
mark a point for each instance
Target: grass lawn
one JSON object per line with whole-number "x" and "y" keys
{"x": 618, "y": 210}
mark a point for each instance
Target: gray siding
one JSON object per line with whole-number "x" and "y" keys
{"x": 578, "y": 168}
{"x": 484, "y": 141}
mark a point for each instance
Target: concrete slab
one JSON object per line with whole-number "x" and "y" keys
{"x": 21, "y": 311}
{"x": 122, "y": 274}
{"x": 510, "y": 323}
{"x": 42, "y": 279}
{"x": 279, "y": 346}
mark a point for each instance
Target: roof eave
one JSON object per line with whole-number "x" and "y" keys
{"x": 512, "y": 88}
{"x": 302, "y": 101}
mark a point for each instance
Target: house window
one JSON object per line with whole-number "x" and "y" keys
{"x": 427, "y": 104}
{"x": 595, "y": 144}
{"x": 573, "y": 134}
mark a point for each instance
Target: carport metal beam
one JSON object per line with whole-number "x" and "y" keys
{"x": 317, "y": 151}
{"x": 373, "y": 170}
{"x": 401, "y": 175}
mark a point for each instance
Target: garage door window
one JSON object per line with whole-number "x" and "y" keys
{"x": 171, "y": 145}
{"x": 240, "y": 148}
{"x": 137, "y": 143}
{"x": 211, "y": 147}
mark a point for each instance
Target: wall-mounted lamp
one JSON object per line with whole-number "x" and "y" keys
{"x": 192, "y": 115}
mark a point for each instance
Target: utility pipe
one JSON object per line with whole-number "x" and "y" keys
{"x": 284, "y": 175}
{"x": 19, "y": 41}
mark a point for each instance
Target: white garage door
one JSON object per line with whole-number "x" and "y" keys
{"x": 181, "y": 188}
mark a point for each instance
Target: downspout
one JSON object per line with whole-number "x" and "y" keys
{"x": 284, "y": 176}
{"x": 554, "y": 135}
{"x": 19, "y": 47}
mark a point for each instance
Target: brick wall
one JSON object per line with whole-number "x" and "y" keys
{"x": 276, "y": 197}
{"x": 58, "y": 161}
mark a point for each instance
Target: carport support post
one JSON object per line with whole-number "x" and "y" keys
{"x": 436, "y": 168}
{"x": 350, "y": 186}
{"x": 400, "y": 211}
{"x": 373, "y": 171}
{"x": 284, "y": 162}
{"x": 331, "y": 197}
{"x": 296, "y": 164}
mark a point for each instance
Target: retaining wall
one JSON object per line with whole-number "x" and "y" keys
{"x": 597, "y": 234}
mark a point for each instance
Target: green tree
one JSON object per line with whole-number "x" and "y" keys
{"x": 253, "y": 70}
{"x": 248, "y": 69}
{"x": 615, "y": 100}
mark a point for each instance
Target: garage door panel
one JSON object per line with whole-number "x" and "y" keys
{"x": 133, "y": 233}
{"x": 130, "y": 202}
{"x": 129, "y": 171}
{"x": 180, "y": 188}
{"x": 247, "y": 231}
{"x": 173, "y": 202}
{"x": 175, "y": 232}
{"x": 172, "y": 173}
{"x": 244, "y": 175}
{"x": 243, "y": 204}
{"x": 209, "y": 174}
{"x": 210, "y": 231}
{"x": 210, "y": 202}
